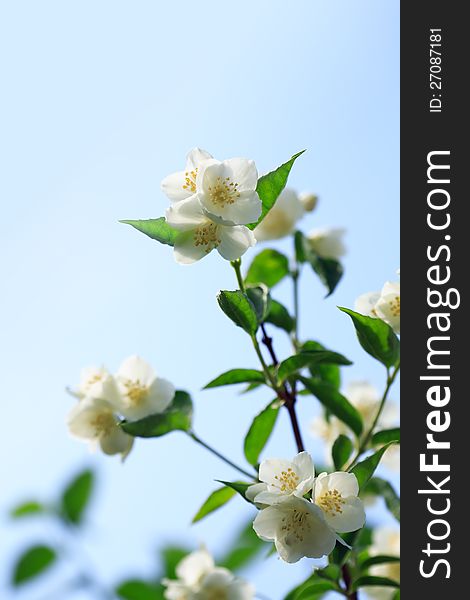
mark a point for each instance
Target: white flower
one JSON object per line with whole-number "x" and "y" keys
{"x": 327, "y": 242}
{"x": 253, "y": 491}
{"x": 297, "y": 527}
{"x": 141, "y": 392}
{"x": 96, "y": 382}
{"x": 385, "y": 541}
{"x": 308, "y": 200}
{"x": 94, "y": 420}
{"x": 227, "y": 191}
{"x": 200, "y": 579}
{"x": 182, "y": 185}
{"x": 200, "y": 234}
{"x": 336, "y": 494}
{"x": 285, "y": 477}
{"x": 282, "y": 217}
{"x": 383, "y": 305}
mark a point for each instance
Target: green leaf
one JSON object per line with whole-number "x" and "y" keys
{"x": 259, "y": 432}
{"x": 239, "y": 309}
{"x": 28, "y": 509}
{"x": 380, "y": 559}
{"x": 246, "y": 546}
{"x": 379, "y": 487}
{"x": 157, "y": 229}
{"x": 236, "y": 376}
{"x": 239, "y": 486}
{"x": 336, "y": 403}
{"x": 76, "y": 497}
{"x": 171, "y": 556}
{"x": 217, "y": 499}
{"x": 268, "y": 267}
{"x": 261, "y": 300}
{"x": 328, "y": 270}
{"x": 315, "y": 588}
{"x": 279, "y": 316}
{"x": 33, "y": 562}
{"x": 341, "y": 451}
{"x": 341, "y": 552}
{"x": 304, "y": 359}
{"x": 299, "y": 244}
{"x": 271, "y": 185}
{"x": 177, "y": 417}
{"x": 385, "y": 436}
{"x": 138, "y": 589}
{"x": 365, "y": 469}
{"x": 376, "y": 337}
{"x": 375, "y": 581}
{"x": 328, "y": 373}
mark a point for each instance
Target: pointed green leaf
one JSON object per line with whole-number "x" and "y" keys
{"x": 271, "y": 185}
{"x": 385, "y": 436}
{"x": 318, "y": 587}
{"x": 236, "y": 376}
{"x": 138, "y": 589}
{"x": 28, "y": 509}
{"x": 379, "y": 559}
{"x": 157, "y": 229}
{"x": 259, "y": 432}
{"x": 376, "y": 337}
{"x": 366, "y": 468}
{"x": 239, "y": 309}
{"x": 268, "y": 267}
{"x": 76, "y": 497}
{"x": 239, "y": 486}
{"x": 328, "y": 270}
{"x": 177, "y": 417}
{"x": 304, "y": 359}
{"x": 300, "y": 247}
{"x": 33, "y": 562}
{"x": 279, "y": 316}
{"x": 341, "y": 451}
{"x": 368, "y": 580}
{"x": 336, "y": 403}
{"x": 217, "y": 499}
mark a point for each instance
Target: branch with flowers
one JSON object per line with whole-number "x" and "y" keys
{"x": 302, "y": 511}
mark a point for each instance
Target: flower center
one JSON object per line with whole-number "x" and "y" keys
{"x": 135, "y": 392}
{"x": 331, "y": 502}
{"x": 207, "y": 235}
{"x": 103, "y": 423}
{"x": 395, "y": 306}
{"x": 225, "y": 191}
{"x": 288, "y": 480}
{"x": 296, "y": 524}
{"x": 190, "y": 181}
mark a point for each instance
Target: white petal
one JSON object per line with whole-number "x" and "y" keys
{"x": 243, "y": 171}
{"x": 365, "y": 304}
{"x": 345, "y": 483}
{"x": 82, "y": 418}
{"x": 194, "y": 566}
{"x": 271, "y": 468}
{"x": 352, "y": 518}
{"x": 135, "y": 368}
{"x": 195, "y": 158}
{"x": 185, "y": 250}
{"x": 176, "y": 187}
{"x": 328, "y": 242}
{"x": 116, "y": 442}
{"x": 186, "y": 215}
{"x": 254, "y": 490}
{"x": 266, "y": 523}
{"x": 235, "y": 241}
{"x": 304, "y": 464}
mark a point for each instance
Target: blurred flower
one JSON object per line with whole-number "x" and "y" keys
{"x": 96, "y": 382}
{"x": 141, "y": 392}
{"x": 200, "y": 235}
{"x": 366, "y": 399}
{"x": 385, "y": 541}
{"x": 383, "y": 305}
{"x": 282, "y": 218}
{"x": 297, "y": 527}
{"x": 336, "y": 494}
{"x": 227, "y": 191}
{"x": 327, "y": 242}
{"x": 95, "y": 420}
{"x": 200, "y": 579}
{"x": 308, "y": 200}
{"x": 182, "y": 185}
{"x": 285, "y": 478}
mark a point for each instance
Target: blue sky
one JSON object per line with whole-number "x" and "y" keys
{"x": 102, "y": 100}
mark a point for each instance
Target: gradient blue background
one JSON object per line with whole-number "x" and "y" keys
{"x": 100, "y": 101}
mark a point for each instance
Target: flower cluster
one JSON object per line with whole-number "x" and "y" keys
{"x": 104, "y": 399}
{"x": 200, "y": 579}
{"x": 366, "y": 399}
{"x": 383, "y": 305}
{"x": 303, "y": 514}
{"x": 212, "y": 201}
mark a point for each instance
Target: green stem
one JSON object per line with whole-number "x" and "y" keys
{"x": 226, "y": 460}
{"x": 366, "y": 439}
{"x": 237, "y": 265}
